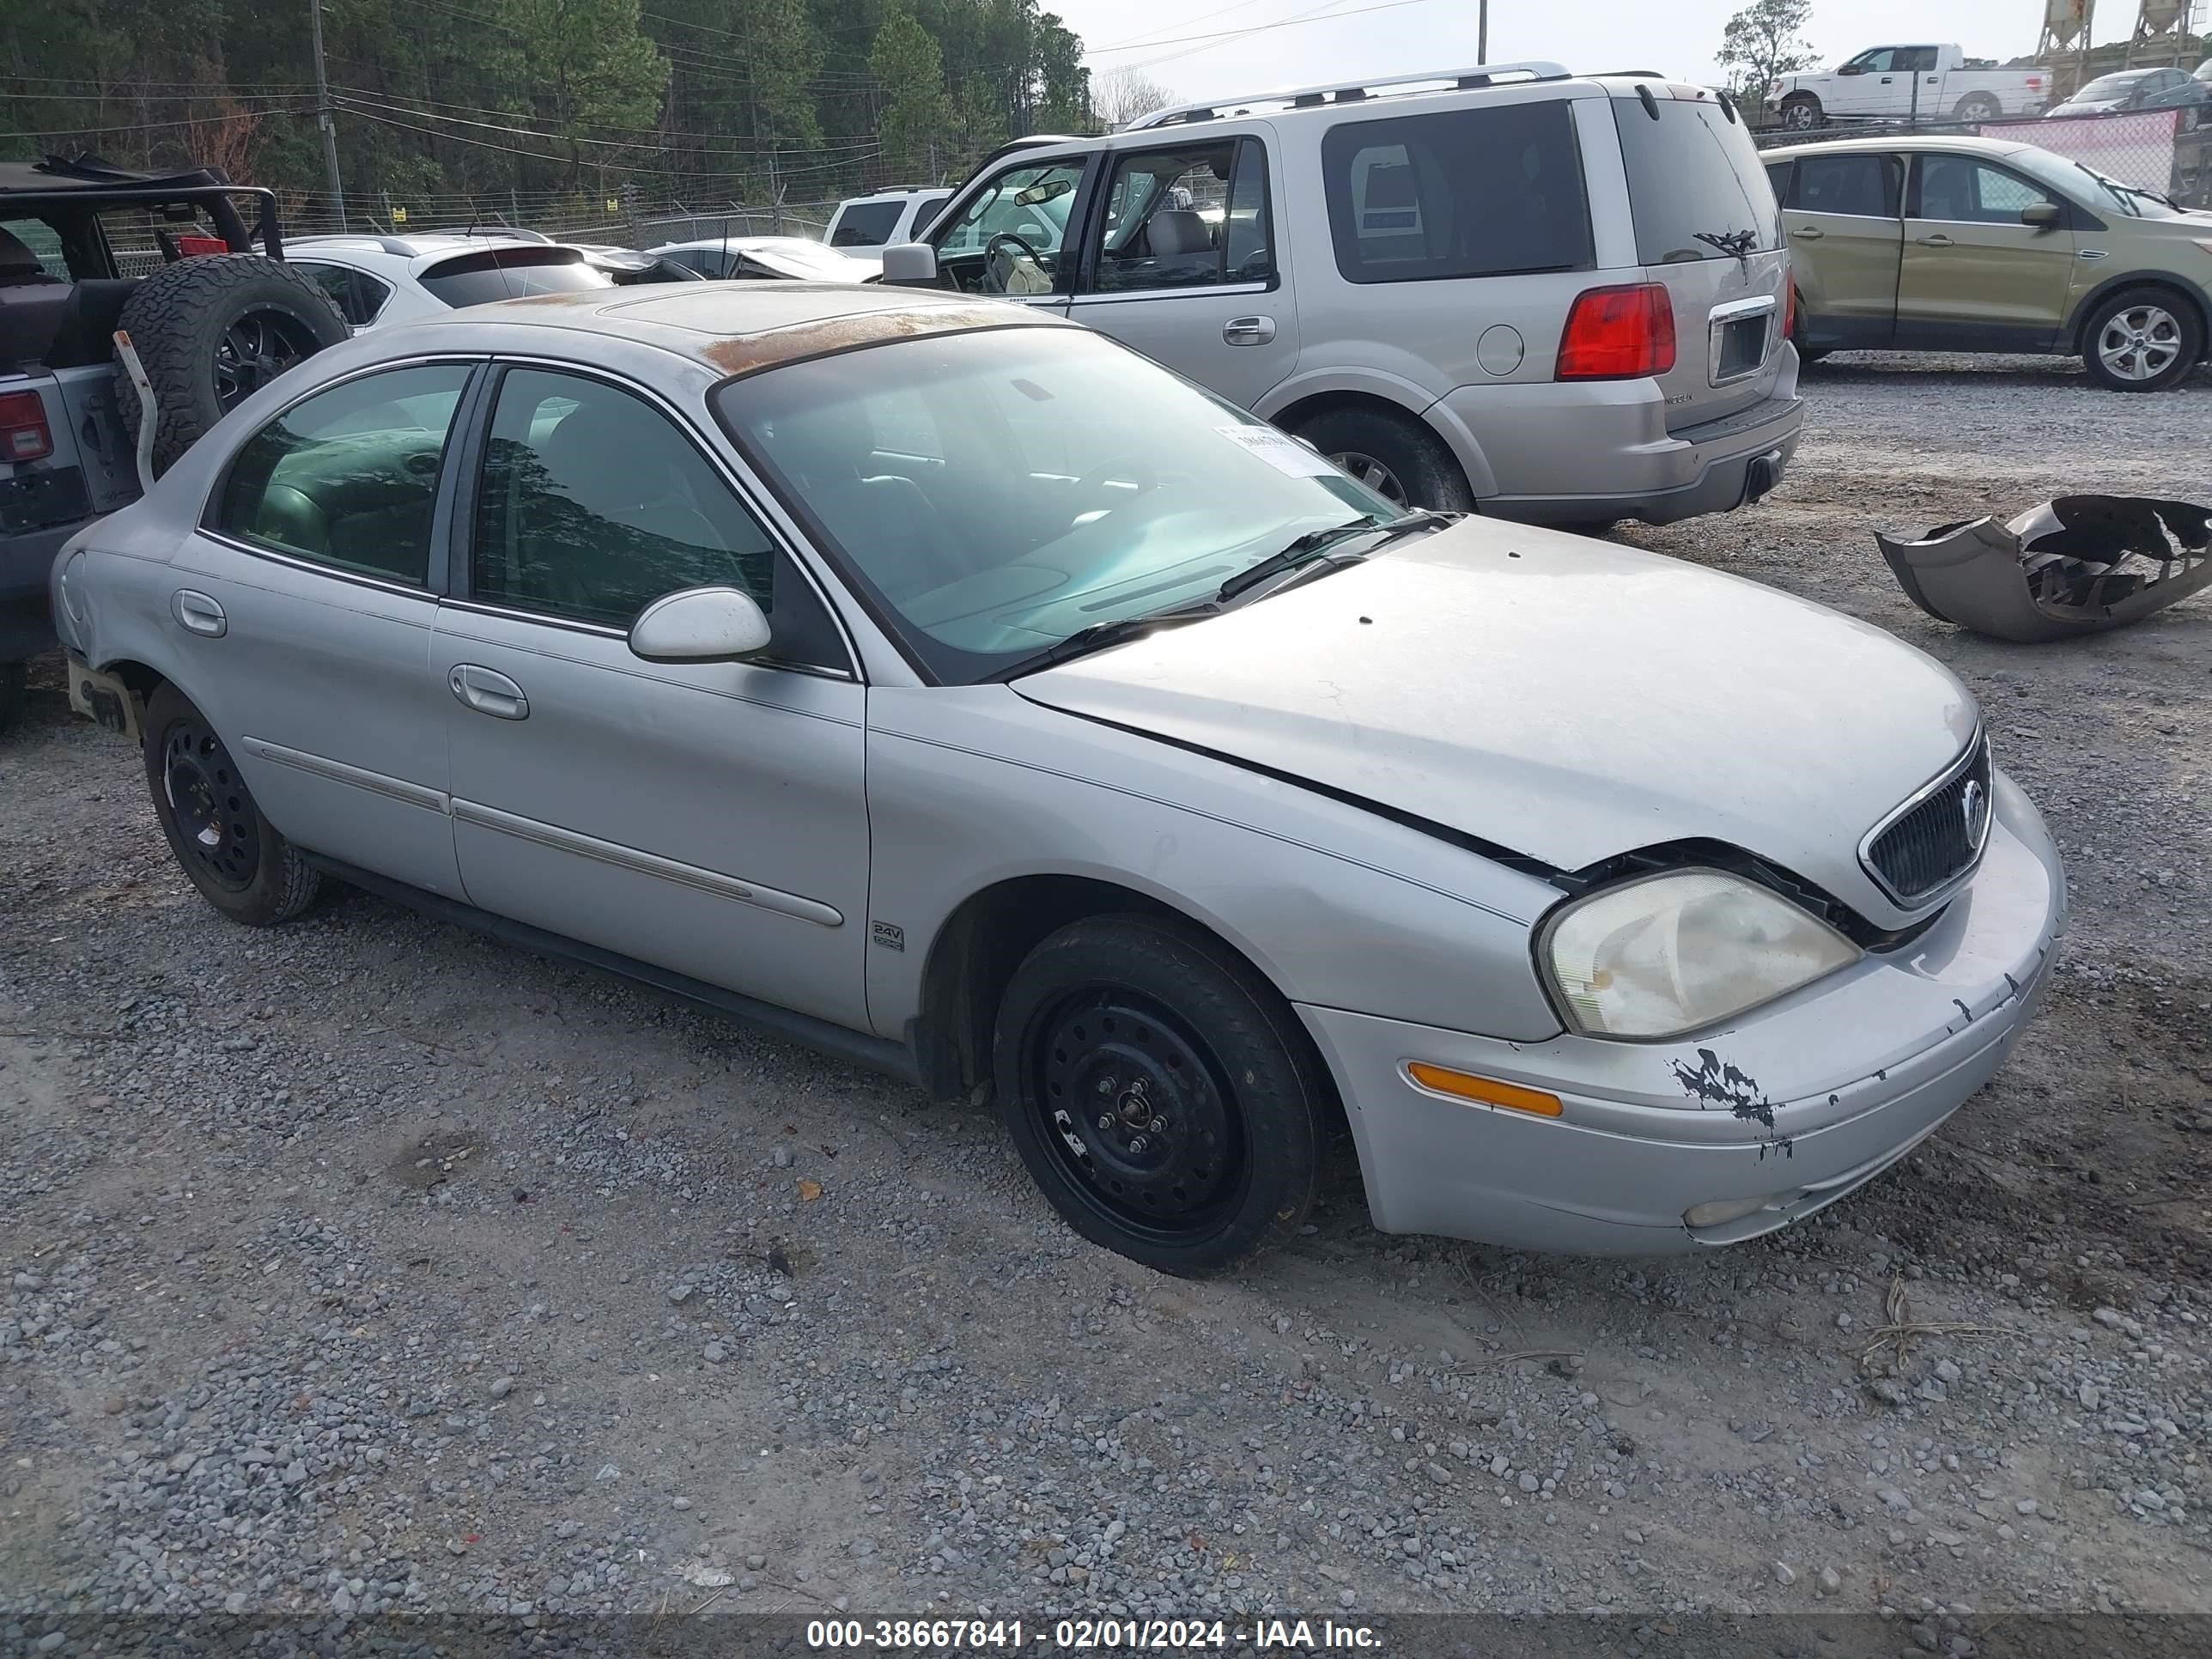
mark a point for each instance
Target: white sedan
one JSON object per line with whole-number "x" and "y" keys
{"x": 948, "y": 686}
{"x": 794, "y": 258}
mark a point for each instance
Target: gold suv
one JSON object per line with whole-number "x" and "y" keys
{"x": 1974, "y": 245}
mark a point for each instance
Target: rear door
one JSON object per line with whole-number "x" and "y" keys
{"x": 1842, "y": 215}
{"x": 1708, "y": 230}
{"x": 1974, "y": 276}
{"x": 1180, "y": 261}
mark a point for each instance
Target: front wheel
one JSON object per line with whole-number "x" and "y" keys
{"x": 1161, "y": 1094}
{"x": 2143, "y": 339}
{"x": 231, "y": 853}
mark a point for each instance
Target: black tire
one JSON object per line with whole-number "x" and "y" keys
{"x": 1213, "y": 1093}
{"x": 1814, "y": 354}
{"x": 212, "y": 331}
{"x": 1415, "y": 468}
{"x": 2169, "y": 323}
{"x": 14, "y": 692}
{"x": 237, "y": 859}
{"x": 1802, "y": 112}
{"x": 1978, "y": 106}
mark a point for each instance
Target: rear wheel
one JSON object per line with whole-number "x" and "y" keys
{"x": 212, "y": 331}
{"x": 1800, "y": 111}
{"x": 2143, "y": 339}
{"x": 237, "y": 859}
{"x": 15, "y": 682}
{"x": 1978, "y": 106}
{"x": 1394, "y": 455}
{"x": 1161, "y": 1094}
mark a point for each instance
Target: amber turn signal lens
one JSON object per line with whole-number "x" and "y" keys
{"x": 1486, "y": 1091}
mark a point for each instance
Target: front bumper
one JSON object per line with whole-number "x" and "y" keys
{"x": 1583, "y": 452}
{"x": 1845, "y": 1077}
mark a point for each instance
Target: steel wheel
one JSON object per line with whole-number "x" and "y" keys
{"x": 1135, "y": 1112}
{"x": 214, "y": 814}
{"x": 2139, "y": 343}
{"x": 1372, "y": 473}
{"x": 254, "y": 350}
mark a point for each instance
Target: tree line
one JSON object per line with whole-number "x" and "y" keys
{"x": 442, "y": 99}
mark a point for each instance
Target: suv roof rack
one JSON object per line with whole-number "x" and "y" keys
{"x": 1482, "y": 75}
{"x": 398, "y": 245}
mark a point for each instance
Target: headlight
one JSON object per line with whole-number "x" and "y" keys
{"x": 1672, "y": 952}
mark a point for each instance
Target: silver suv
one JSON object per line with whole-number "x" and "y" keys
{"x": 1555, "y": 298}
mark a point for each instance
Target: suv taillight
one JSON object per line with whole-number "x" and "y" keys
{"x": 1617, "y": 334}
{"x": 1789, "y": 311}
{"x": 24, "y": 435}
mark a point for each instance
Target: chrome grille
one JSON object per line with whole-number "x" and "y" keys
{"x": 1935, "y": 837}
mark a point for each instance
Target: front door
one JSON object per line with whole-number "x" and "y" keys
{"x": 1182, "y": 263}
{"x": 303, "y": 612}
{"x": 1975, "y": 276}
{"x": 1847, "y": 240}
{"x": 1008, "y": 238}
{"x": 705, "y": 817}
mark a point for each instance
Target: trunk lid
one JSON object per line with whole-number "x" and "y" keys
{"x": 1567, "y": 699}
{"x": 1708, "y": 230}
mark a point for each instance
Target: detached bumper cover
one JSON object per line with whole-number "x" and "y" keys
{"x": 1795, "y": 1104}
{"x": 2058, "y": 569}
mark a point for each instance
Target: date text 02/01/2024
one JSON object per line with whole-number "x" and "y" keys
{"x": 1079, "y": 1635}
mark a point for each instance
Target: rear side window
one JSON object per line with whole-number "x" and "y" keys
{"x": 508, "y": 273}
{"x": 347, "y": 477}
{"x": 867, "y": 224}
{"x": 1695, "y": 186}
{"x": 1468, "y": 193}
{"x": 28, "y": 247}
{"x": 1862, "y": 186}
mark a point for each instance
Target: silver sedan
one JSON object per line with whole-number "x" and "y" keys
{"x": 952, "y": 688}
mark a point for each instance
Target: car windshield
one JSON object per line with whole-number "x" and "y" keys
{"x": 2103, "y": 194}
{"x": 2112, "y": 86}
{"x": 992, "y": 493}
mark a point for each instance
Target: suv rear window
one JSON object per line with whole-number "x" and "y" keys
{"x": 1695, "y": 184}
{"x": 508, "y": 273}
{"x": 1465, "y": 193}
{"x": 869, "y": 224}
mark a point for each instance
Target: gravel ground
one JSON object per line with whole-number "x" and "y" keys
{"x": 366, "y": 1265}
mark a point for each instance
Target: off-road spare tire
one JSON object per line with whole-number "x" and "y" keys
{"x": 212, "y": 329}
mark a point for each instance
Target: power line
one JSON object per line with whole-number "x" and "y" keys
{"x": 661, "y": 141}
{"x": 160, "y": 126}
{"x": 1316, "y": 16}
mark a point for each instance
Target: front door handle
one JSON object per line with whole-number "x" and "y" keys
{"x": 198, "y": 614}
{"x": 1808, "y": 232}
{"x": 1248, "y": 330}
{"x": 488, "y": 692}
{"x": 1939, "y": 239}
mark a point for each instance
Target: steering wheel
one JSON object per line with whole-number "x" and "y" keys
{"x": 1134, "y": 468}
{"x": 991, "y": 249}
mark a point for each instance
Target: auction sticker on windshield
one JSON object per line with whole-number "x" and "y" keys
{"x": 1279, "y": 449}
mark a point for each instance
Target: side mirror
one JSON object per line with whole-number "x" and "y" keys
{"x": 910, "y": 264}
{"x": 700, "y": 624}
{"x": 1851, "y": 68}
{"x": 2043, "y": 215}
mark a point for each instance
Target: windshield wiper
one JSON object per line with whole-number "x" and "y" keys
{"x": 1314, "y": 542}
{"x": 1099, "y": 636}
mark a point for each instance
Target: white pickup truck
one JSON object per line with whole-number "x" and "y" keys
{"x": 1896, "y": 83}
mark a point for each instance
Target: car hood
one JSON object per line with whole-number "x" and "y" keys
{"x": 1566, "y": 699}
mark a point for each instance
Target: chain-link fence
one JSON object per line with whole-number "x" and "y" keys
{"x": 2164, "y": 150}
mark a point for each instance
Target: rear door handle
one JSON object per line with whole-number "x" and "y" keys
{"x": 198, "y": 614}
{"x": 1248, "y": 330}
{"x": 488, "y": 692}
{"x": 1808, "y": 232}
{"x": 1938, "y": 240}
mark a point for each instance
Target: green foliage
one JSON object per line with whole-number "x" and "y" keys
{"x": 1763, "y": 42}
{"x": 448, "y": 102}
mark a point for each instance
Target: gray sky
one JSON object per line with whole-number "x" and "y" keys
{"x": 1677, "y": 37}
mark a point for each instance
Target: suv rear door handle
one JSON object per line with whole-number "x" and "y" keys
{"x": 488, "y": 692}
{"x": 1248, "y": 330}
{"x": 198, "y": 614}
{"x": 1808, "y": 232}
{"x": 1939, "y": 239}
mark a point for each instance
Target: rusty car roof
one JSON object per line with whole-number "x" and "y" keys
{"x": 739, "y": 326}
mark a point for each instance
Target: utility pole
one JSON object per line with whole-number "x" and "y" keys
{"x": 1482, "y": 31}
{"x": 322, "y": 114}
